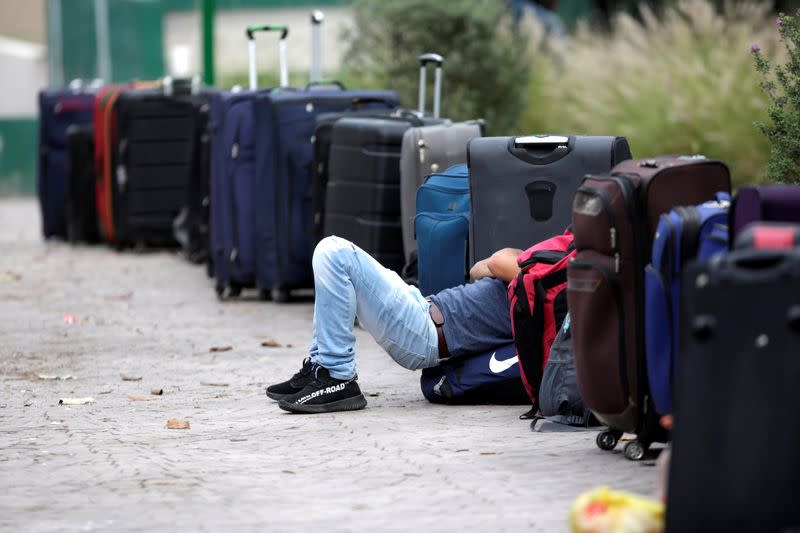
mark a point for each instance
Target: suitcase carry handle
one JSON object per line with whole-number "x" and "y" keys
{"x": 315, "y": 75}
{"x": 80, "y": 84}
{"x": 326, "y": 83}
{"x": 251, "y": 49}
{"x": 359, "y": 101}
{"x": 540, "y": 149}
{"x": 539, "y": 140}
{"x": 171, "y": 85}
{"x": 424, "y": 60}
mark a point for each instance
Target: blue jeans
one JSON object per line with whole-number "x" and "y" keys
{"x": 349, "y": 283}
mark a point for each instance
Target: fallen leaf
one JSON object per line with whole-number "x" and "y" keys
{"x": 119, "y": 297}
{"x": 174, "y": 423}
{"x": 373, "y": 394}
{"x": 488, "y": 453}
{"x": 216, "y": 396}
{"x": 290, "y": 345}
{"x": 141, "y": 398}
{"x": 130, "y": 377}
{"x": 75, "y": 401}
{"x": 156, "y": 392}
{"x": 220, "y": 348}
{"x": 13, "y": 276}
{"x": 49, "y": 377}
{"x": 270, "y": 343}
{"x": 106, "y": 391}
{"x": 213, "y": 384}
{"x": 71, "y": 319}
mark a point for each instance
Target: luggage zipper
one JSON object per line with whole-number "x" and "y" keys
{"x": 617, "y": 292}
{"x": 279, "y": 201}
{"x": 635, "y": 210}
{"x": 234, "y": 256}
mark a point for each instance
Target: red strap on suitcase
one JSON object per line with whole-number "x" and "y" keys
{"x": 775, "y": 237}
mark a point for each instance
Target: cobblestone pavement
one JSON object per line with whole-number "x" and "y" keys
{"x": 402, "y": 464}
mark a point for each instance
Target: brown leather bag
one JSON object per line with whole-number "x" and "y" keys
{"x": 614, "y": 219}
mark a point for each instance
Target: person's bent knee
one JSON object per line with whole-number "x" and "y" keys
{"x": 327, "y": 249}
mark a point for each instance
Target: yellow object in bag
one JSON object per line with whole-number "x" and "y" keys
{"x": 602, "y": 510}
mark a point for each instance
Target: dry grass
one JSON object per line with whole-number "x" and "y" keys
{"x": 681, "y": 82}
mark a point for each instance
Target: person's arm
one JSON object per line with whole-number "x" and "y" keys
{"x": 502, "y": 265}
{"x": 480, "y": 270}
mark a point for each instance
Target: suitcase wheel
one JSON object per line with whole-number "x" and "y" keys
{"x": 220, "y": 290}
{"x": 635, "y": 450}
{"x": 265, "y": 295}
{"x": 607, "y": 440}
{"x": 234, "y": 290}
{"x": 280, "y": 295}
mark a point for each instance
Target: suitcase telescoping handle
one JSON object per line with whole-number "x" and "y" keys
{"x": 315, "y": 76}
{"x": 251, "y": 49}
{"x": 424, "y": 60}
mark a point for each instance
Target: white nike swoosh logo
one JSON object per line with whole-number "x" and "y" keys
{"x": 498, "y": 367}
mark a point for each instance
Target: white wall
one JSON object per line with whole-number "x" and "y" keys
{"x": 182, "y": 29}
{"x": 24, "y": 68}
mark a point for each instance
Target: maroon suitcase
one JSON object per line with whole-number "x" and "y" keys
{"x": 614, "y": 218}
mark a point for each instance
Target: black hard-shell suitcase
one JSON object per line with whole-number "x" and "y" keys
{"x": 81, "y": 208}
{"x": 521, "y": 188}
{"x": 362, "y": 203}
{"x": 323, "y": 136}
{"x": 154, "y": 157}
{"x": 735, "y": 464}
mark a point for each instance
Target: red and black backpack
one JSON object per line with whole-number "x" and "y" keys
{"x": 538, "y": 304}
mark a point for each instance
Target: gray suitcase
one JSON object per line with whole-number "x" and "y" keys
{"x": 521, "y": 188}
{"x": 427, "y": 150}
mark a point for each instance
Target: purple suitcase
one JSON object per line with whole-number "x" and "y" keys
{"x": 764, "y": 203}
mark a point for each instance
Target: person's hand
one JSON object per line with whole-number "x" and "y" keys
{"x": 480, "y": 270}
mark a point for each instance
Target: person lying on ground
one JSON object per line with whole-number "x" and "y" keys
{"x": 417, "y": 332}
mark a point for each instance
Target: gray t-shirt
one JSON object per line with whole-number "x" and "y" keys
{"x": 476, "y": 316}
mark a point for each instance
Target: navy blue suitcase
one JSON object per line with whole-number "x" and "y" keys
{"x": 284, "y": 126}
{"x": 58, "y": 110}
{"x": 261, "y": 180}
{"x": 441, "y": 228}
{"x": 232, "y": 190}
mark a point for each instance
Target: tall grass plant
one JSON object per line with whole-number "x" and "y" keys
{"x": 679, "y": 82}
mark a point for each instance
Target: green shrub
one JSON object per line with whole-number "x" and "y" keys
{"x": 487, "y": 65}
{"x": 781, "y": 83}
{"x": 681, "y": 82}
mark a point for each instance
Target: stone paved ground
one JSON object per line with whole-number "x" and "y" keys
{"x": 402, "y": 464}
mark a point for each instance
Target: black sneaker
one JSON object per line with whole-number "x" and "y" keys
{"x": 325, "y": 395}
{"x": 294, "y": 385}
